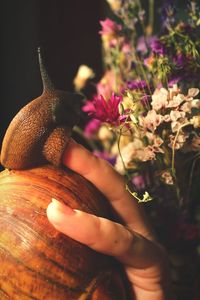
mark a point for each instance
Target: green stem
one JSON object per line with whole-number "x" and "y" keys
{"x": 119, "y": 150}
{"x": 151, "y": 16}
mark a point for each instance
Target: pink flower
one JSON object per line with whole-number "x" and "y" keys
{"x": 109, "y": 27}
{"x": 92, "y": 128}
{"x": 105, "y": 111}
{"x": 126, "y": 48}
{"x": 138, "y": 182}
{"x": 107, "y": 84}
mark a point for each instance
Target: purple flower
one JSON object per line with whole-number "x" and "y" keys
{"x": 105, "y": 111}
{"x": 174, "y": 80}
{"x": 168, "y": 14}
{"x": 105, "y": 155}
{"x": 137, "y": 84}
{"x": 157, "y": 47}
{"x": 143, "y": 43}
{"x": 180, "y": 60}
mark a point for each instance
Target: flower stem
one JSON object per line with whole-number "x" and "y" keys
{"x": 151, "y": 17}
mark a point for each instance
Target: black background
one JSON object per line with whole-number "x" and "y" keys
{"x": 68, "y": 32}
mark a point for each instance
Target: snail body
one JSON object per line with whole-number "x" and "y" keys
{"x": 40, "y": 131}
{"x": 28, "y": 140}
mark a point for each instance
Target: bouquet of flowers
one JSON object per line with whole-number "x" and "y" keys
{"x": 144, "y": 117}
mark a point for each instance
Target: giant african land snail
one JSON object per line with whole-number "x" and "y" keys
{"x": 40, "y": 131}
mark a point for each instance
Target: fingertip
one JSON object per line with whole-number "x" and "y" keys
{"x": 58, "y": 212}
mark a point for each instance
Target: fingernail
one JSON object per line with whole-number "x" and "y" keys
{"x": 63, "y": 208}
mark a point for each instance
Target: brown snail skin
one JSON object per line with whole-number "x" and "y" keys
{"x": 40, "y": 131}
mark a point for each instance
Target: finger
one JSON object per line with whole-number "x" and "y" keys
{"x": 102, "y": 235}
{"x": 110, "y": 183}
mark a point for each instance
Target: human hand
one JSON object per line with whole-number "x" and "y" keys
{"x": 145, "y": 261}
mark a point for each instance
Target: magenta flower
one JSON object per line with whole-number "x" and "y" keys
{"x": 92, "y": 128}
{"x": 105, "y": 111}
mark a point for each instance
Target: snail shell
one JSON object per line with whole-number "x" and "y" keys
{"x": 37, "y": 261}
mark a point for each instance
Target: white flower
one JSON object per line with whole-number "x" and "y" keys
{"x": 167, "y": 177}
{"x": 151, "y": 121}
{"x": 180, "y": 140}
{"x": 175, "y": 115}
{"x": 173, "y": 91}
{"x": 114, "y": 4}
{"x": 186, "y": 107}
{"x": 193, "y": 92}
{"x": 84, "y": 73}
{"x": 175, "y": 125}
{"x": 176, "y": 100}
{"x": 126, "y": 159}
{"x": 146, "y": 154}
{"x": 104, "y": 133}
{"x": 195, "y": 103}
{"x": 195, "y": 121}
{"x": 159, "y": 99}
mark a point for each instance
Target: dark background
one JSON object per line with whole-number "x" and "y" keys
{"x": 68, "y": 32}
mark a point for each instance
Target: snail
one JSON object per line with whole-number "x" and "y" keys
{"x": 37, "y": 261}
{"x": 40, "y": 131}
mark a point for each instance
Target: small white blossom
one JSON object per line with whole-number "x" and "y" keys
{"x": 195, "y": 121}
{"x": 176, "y": 101}
{"x": 167, "y": 177}
{"x": 146, "y": 154}
{"x": 104, "y": 133}
{"x": 180, "y": 140}
{"x": 159, "y": 99}
{"x": 173, "y": 91}
{"x": 175, "y": 115}
{"x": 193, "y": 92}
{"x": 151, "y": 121}
{"x": 114, "y": 4}
{"x": 126, "y": 158}
{"x": 84, "y": 73}
{"x": 186, "y": 107}
{"x": 195, "y": 103}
